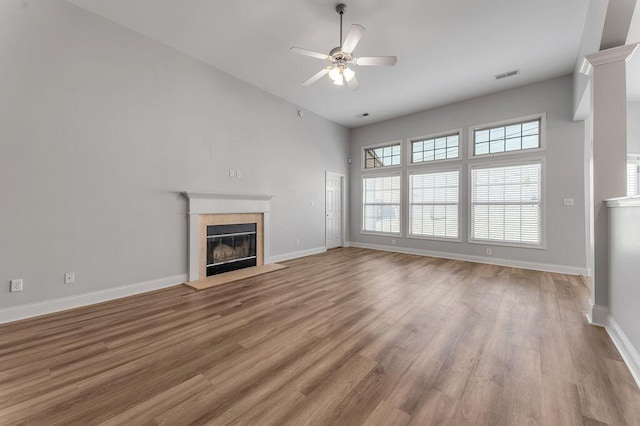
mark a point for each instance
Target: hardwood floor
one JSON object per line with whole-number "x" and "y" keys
{"x": 348, "y": 337}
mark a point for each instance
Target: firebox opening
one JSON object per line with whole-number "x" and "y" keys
{"x": 231, "y": 247}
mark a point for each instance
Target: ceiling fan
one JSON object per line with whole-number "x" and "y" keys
{"x": 341, "y": 57}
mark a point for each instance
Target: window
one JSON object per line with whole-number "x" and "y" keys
{"x": 518, "y": 136}
{"x": 433, "y": 204}
{"x": 505, "y": 203}
{"x": 381, "y": 204}
{"x": 382, "y": 156}
{"x": 433, "y": 149}
{"x": 633, "y": 176}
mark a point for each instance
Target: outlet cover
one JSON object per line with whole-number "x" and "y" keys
{"x": 69, "y": 278}
{"x": 16, "y": 285}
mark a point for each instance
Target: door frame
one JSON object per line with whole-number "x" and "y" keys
{"x": 343, "y": 203}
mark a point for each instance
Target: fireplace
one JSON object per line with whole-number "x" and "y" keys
{"x": 248, "y": 247}
{"x": 231, "y": 247}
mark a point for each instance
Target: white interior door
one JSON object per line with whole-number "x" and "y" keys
{"x": 333, "y": 210}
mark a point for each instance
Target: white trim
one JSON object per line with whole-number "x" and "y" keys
{"x": 210, "y": 203}
{"x": 296, "y": 254}
{"x": 597, "y": 314}
{"x": 15, "y": 313}
{"x": 516, "y": 120}
{"x": 380, "y": 145}
{"x": 382, "y": 234}
{"x": 615, "y": 54}
{"x": 364, "y": 176}
{"x": 624, "y": 201}
{"x": 546, "y": 267}
{"x": 585, "y": 67}
{"x": 628, "y": 353}
{"x": 413, "y": 139}
{"x": 441, "y": 168}
{"x": 543, "y": 193}
{"x": 343, "y": 205}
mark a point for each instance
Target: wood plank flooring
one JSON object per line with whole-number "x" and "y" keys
{"x": 349, "y": 337}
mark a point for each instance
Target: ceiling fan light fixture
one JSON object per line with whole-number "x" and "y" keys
{"x": 348, "y": 74}
{"x": 342, "y": 56}
{"x": 334, "y": 73}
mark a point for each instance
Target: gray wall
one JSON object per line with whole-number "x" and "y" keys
{"x": 101, "y": 127}
{"x": 633, "y": 127}
{"x": 564, "y": 169}
{"x": 624, "y": 284}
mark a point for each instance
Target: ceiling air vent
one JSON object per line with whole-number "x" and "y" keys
{"x": 507, "y": 74}
{"x": 363, "y": 115}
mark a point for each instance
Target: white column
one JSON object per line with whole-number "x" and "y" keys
{"x": 608, "y": 171}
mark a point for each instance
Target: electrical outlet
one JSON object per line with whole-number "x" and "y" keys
{"x": 232, "y": 173}
{"x": 297, "y": 242}
{"x": 312, "y": 203}
{"x": 16, "y": 285}
{"x": 488, "y": 252}
{"x": 568, "y": 202}
{"x": 69, "y": 277}
{"x": 238, "y": 174}
{"x": 393, "y": 242}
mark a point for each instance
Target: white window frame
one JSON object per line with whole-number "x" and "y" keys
{"x": 380, "y": 145}
{"x": 362, "y": 204}
{"x": 543, "y": 136}
{"x": 634, "y": 158}
{"x": 410, "y": 141}
{"x": 543, "y": 193}
{"x": 437, "y": 169}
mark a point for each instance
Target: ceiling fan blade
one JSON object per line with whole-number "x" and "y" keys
{"x": 316, "y": 77}
{"x": 306, "y": 52}
{"x": 352, "y": 38}
{"x": 376, "y": 60}
{"x": 353, "y": 83}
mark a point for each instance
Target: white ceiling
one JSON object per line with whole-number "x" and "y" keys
{"x": 633, "y": 66}
{"x": 447, "y": 50}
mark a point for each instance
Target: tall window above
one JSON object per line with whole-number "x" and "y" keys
{"x": 517, "y": 136}
{"x": 633, "y": 175}
{"x": 433, "y": 204}
{"x": 506, "y": 204}
{"x": 381, "y": 204}
{"x": 382, "y": 156}
{"x": 433, "y": 149}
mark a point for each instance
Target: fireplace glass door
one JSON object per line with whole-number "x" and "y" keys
{"x": 230, "y": 247}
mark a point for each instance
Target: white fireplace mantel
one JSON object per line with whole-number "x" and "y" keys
{"x": 201, "y": 203}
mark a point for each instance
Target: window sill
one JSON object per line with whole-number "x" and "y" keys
{"x": 433, "y": 238}
{"x": 541, "y": 246}
{"x": 381, "y": 234}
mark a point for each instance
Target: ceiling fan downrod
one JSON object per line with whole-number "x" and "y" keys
{"x": 341, "y": 9}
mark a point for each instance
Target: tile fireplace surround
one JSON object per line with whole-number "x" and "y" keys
{"x": 203, "y": 208}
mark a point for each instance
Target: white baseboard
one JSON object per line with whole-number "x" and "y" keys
{"x": 598, "y": 315}
{"x": 571, "y": 270}
{"x": 296, "y": 254}
{"x": 15, "y": 313}
{"x": 626, "y": 349}
{"x": 347, "y": 244}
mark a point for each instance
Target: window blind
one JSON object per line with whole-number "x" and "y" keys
{"x": 433, "y": 204}
{"x": 505, "y": 203}
{"x": 381, "y": 204}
